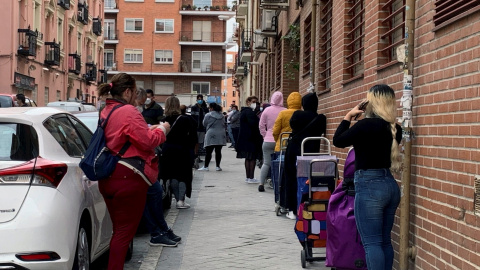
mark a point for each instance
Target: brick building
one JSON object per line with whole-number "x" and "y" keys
{"x": 169, "y": 46}
{"x": 52, "y": 50}
{"x": 355, "y": 48}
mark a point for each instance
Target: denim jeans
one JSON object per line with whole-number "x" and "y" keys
{"x": 377, "y": 196}
{"x": 230, "y": 134}
{"x": 153, "y": 212}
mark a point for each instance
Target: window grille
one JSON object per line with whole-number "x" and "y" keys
{"x": 395, "y": 22}
{"x": 324, "y": 81}
{"x": 306, "y": 44}
{"x": 449, "y": 11}
{"x": 356, "y": 34}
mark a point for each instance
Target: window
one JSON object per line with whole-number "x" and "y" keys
{"x": 66, "y": 135}
{"x": 46, "y": 96}
{"x": 233, "y": 93}
{"x": 108, "y": 58}
{"x": 37, "y": 13}
{"x": 59, "y": 95}
{"x": 134, "y": 0}
{"x": 201, "y": 88}
{"x": 18, "y": 142}
{"x": 133, "y": 25}
{"x": 163, "y": 25}
{"x": 306, "y": 44}
{"x": 34, "y": 93}
{"x": 201, "y": 61}
{"x": 229, "y": 58}
{"x": 325, "y": 45}
{"x": 278, "y": 59}
{"x": 163, "y": 57}
{"x": 447, "y": 12}
{"x": 395, "y": 31}
{"x": 133, "y": 56}
{"x": 60, "y": 32}
{"x": 109, "y": 31}
{"x": 202, "y": 3}
{"x": 79, "y": 43}
{"x": 164, "y": 88}
{"x": 356, "y": 36}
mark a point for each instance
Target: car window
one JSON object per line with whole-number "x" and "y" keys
{"x": 89, "y": 121}
{"x": 84, "y": 132}
{"x": 66, "y": 135}
{"x": 18, "y": 142}
{"x": 5, "y": 102}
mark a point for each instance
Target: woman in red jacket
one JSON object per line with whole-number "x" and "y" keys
{"x": 125, "y": 191}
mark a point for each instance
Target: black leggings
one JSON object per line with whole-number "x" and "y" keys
{"x": 218, "y": 154}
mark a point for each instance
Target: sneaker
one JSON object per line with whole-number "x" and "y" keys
{"x": 162, "y": 240}
{"x": 247, "y": 180}
{"x": 182, "y": 205}
{"x": 253, "y": 181}
{"x": 203, "y": 169}
{"x": 291, "y": 215}
{"x": 175, "y": 238}
{"x": 261, "y": 188}
{"x": 218, "y": 169}
{"x": 231, "y": 146}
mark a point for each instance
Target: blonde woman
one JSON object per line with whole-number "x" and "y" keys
{"x": 377, "y": 195}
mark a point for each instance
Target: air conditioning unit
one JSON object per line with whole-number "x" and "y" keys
{"x": 269, "y": 23}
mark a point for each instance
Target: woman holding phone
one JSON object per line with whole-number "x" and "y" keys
{"x": 376, "y": 141}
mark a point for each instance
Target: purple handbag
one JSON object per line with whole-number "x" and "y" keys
{"x": 344, "y": 246}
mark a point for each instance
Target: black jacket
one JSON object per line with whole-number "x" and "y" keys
{"x": 154, "y": 114}
{"x": 198, "y": 113}
{"x": 249, "y": 137}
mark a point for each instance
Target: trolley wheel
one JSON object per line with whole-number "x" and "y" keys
{"x": 303, "y": 258}
{"x": 278, "y": 210}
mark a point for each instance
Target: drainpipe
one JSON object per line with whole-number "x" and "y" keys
{"x": 313, "y": 34}
{"x": 405, "y": 251}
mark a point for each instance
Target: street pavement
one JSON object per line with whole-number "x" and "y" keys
{"x": 230, "y": 225}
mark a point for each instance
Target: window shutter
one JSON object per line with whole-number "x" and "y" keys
{"x": 449, "y": 11}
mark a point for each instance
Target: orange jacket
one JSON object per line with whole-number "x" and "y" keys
{"x": 282, "y": 124}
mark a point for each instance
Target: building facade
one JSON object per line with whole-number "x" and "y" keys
{"x": 356, "y": 45}
{"x": 171, "y": 47}
{"x": 52, "y": 50}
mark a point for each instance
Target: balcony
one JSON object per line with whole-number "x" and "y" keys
{"x": 52, "y": 55}
{"x": 245, "y": 48}
{"x": 97, "y": 26}
{"x": 83, "y": 13}
{"x": 218, "y": 8}
{"x": 91, "y": 72}
{"x": 111, "y": 6}
{"x": 197, "y": 66}
{"x": 274, "y": 4}
{"x": 242, "y": 9}
{"x": 110, "y": 36}
{"x": 240, "y": 71}
{"x": 27, "y": 42}
{"x": 200, "y": 38}
{"x": 65, "y": 4}
{"x": 103, "y": 76}
{"x": 74, "y": 63}
{"x": 260, "y": 44}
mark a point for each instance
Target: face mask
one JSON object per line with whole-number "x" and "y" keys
{"x": 199, "y": 102}
{"x": 261, "y": 109}
{"x": 148, "y": 101}
{"x": 234, "y": 110}
{"x": 253, "y": 106}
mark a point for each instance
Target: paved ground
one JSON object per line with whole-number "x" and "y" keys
{"x": 229, "y": 226}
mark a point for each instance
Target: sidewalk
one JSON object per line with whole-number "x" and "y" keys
{"x": 230, "y": 225}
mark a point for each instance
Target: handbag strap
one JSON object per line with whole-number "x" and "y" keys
{"x": 307, "y": 126}
{"x": 103, "y": 124}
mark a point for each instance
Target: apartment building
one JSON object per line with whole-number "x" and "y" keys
{"x": 52, "y": 50}
{"x": 356, "y": 46}
{"x": 171, "y": 47}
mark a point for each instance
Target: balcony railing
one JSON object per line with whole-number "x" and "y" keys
{"x": 103, "y": 76}
{"x": 97, "y": 26}
{"x": 27, "y": 42}
{"x": 64, "y": 3}
{"x": 83, "y": 13}
{"x": 52, "y": 55}
{"x": 110, "y": 4}
{"x": 74, "y": 63}
{"x": 199, "y": 36}
{"x": 91, "y": 72}
{"x": 110, "y": 35}
{"x": 197, "y": 66}
{"x": 274, "y": 4}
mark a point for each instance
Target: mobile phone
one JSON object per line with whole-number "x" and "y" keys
{"x": 362, "y": 106}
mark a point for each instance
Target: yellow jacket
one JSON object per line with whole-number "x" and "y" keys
{"x": 282, "y": 124}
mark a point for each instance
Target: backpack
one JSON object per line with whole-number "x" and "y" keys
{"x": 98, "y": 162}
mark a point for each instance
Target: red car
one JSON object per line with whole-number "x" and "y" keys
{"x": 8, "y": 100}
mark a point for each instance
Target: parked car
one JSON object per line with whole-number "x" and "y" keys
{"x": 9, "y": 100}
{"x": 67, "y": 106}
{"x": 90, "y": 119}
{"x": 51, "y": 215}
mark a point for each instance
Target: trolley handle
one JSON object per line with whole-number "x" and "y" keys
{"x": 329, "y": 151}
{"x": 284, "y": 137}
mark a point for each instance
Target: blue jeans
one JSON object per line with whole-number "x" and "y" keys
{"x": 153, "y": 212}
{"x": 377, "y": 196}
{"x": 230, "y": 134}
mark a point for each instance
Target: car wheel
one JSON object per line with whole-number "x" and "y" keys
{"x": 167, "y": 195}
{"x": 129, "y": 252}
{"x": 82, "y": 254}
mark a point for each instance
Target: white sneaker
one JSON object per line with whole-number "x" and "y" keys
{"x": 247, "y": 180}
{"x": 291, "y": 215}
{"x": 203, "y": 169}
{"x": 182, "y": 205}
{"x": 218, "y": 169}
{"x": 253, "y": 181}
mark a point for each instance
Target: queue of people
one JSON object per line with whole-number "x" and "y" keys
{"x": 166, "y": 142}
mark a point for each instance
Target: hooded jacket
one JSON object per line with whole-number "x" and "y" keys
{"x": 214, "y": 123}
{"x": 269, "y": 115}
{"x": 282, "y": 123}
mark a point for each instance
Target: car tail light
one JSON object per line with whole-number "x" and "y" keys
{"x": 38, "y": 256}
{"x": 47, "y": 172}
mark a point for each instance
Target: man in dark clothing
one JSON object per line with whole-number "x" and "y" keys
{"x": 152, "y": 111}
{"x": 306, "y": 123}
{"x": 198, "y": 112}
{"x": 21, "y": 100}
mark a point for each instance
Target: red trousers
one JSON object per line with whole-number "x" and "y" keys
{"x": 125, "y": 194}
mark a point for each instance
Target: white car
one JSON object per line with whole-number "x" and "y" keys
{"x": 51, "y": 215}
